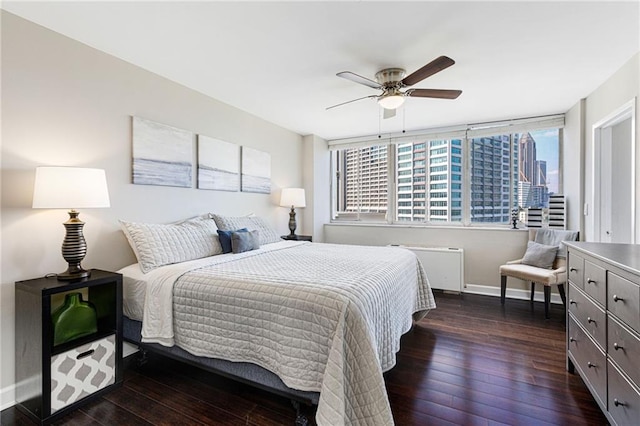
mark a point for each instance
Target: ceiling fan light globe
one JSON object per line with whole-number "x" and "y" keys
{"x": 391, "y": 101}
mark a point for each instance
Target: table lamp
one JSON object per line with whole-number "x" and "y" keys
{"x": 292, "y": 197}
{"x": 71, "y": 188}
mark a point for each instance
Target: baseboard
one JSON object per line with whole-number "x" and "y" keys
{"x": 7, "y": 397}
{"x": 512, "y": 293}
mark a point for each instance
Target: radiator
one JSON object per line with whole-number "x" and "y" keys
{"x": 444, "y": 266}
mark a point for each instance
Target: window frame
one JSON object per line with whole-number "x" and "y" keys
{"x": 471, "y": 132}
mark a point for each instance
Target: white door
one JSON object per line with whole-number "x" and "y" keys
{"x": 604, "y": 186}
{"x": 614, "y": 177}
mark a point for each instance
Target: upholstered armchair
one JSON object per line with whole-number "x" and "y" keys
{"x": 526, "y": 270}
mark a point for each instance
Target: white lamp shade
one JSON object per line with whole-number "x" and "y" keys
{"x": 70, "y": 188}
{"x": 391, "y": 101}
{"x": 292, "y": 197}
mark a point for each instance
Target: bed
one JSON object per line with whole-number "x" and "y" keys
{"x": 317, "y": 322}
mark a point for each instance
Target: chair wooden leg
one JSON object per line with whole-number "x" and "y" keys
{"x": 503, "y": 288}
{"x": 547, "y": 301}
{"x": 533, "y": 290}
{"x": 562, "y": 295}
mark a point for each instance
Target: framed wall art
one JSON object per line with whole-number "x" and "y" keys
{"x": 218, "y": 164}
{"x": 256, "y": 171}
{"x": 162, "y": 155}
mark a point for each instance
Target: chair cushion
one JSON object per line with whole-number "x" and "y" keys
{"x": 539, "y": 255}
{"x": 535, "y": 274}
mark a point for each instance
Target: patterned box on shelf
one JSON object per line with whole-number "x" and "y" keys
{"x": 82, "y": 371}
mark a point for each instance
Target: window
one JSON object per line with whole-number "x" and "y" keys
{"x": 472, "y": 181}
{"x": 361, "y": 183}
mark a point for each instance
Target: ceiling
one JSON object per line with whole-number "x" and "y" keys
{"x": 278, "y": 60}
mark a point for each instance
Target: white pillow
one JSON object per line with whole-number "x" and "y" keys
{"x": 161, "y": 244}
{"x": 252, "y": 223}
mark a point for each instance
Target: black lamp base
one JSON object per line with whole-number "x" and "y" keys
{"x": 292, "y": 222}
{"x": 74, "y": 249}
{"x": 73, "y": 275}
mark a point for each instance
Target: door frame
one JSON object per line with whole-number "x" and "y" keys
{"x": 601, "y": 135}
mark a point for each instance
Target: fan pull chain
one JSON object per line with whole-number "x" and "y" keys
{"x": 404, "y": 119}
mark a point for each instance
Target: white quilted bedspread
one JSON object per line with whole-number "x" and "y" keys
{"x": 323, "y": 317}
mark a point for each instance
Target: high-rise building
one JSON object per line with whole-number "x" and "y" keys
{"x": 429, "y": 181}
{"x": 490, "y": 179}
{"x": 532, "y": 172}
{"x": 363, "y": 174}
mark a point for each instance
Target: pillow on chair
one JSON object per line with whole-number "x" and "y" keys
{"x": 540, "y": 255}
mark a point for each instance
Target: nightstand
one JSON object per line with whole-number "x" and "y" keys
{"x": 297, "y": 237}
{"x": 52, "y": 380}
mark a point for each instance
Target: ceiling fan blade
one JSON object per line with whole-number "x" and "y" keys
{"x": 359, "y": 79}
{"x": 348, "y": 102}
{"x": 431, "y": 68}
{"x": 388, "y": 113}
{"x": 433, "y": 93}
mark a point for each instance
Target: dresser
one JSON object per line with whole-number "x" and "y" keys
{"x": 603, "y": 325}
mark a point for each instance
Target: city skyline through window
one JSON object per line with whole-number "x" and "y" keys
{"x": 473, "y": 181}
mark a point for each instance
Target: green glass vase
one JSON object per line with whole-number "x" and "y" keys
{"x": 75, "y": 318}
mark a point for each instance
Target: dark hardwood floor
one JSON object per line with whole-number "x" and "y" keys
{"x": 469, "y": 362}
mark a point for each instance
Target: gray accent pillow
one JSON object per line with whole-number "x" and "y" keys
{"x": 252, "y": 223}
{"x": 539, "y": 255}
{"x": 242, "y": 241}
{"x": 156, "y": 244}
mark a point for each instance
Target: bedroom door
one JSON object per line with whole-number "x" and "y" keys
{"x": 614, "y": 177}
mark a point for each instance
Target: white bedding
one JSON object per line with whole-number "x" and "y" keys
{"x": 325, "y": 318}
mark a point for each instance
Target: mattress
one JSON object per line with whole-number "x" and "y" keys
{"x": 324, "y": 318}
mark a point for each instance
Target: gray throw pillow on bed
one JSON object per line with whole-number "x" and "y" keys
{"x": 540, "y": 255}
{"x": 230, "y": 223}
{"x": 245, "y": 241}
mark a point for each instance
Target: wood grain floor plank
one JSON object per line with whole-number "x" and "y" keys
{"x": 471, "y": 361}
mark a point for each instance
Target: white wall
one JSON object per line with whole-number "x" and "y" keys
{"x": 485, "y": 249}
{"x": 572, "y": 166}
{"x": 316, "y": 176}
{"x": 622, "y": 87}
{"x": 64, "y": 103}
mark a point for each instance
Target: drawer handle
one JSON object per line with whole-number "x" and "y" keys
{"x": 590, "y": 320}
{"x": 591, "y": 365}
{"x": 86, "y": 354}
{"x": 618, "y": 403}
{"x": 590, "y": 281}
{"x": 617, "y": 299}
{"x": 617, "y": 346}
{"x": 573, "y": 270}
{"x": 571, "y": 339}
{"x": 572, "y": 302}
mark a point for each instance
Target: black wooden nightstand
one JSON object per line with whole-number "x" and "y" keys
{"x": 297, "y": 237}
{"x": 54, "y": 379}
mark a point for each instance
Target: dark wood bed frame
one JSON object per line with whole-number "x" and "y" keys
{"x": 243, "y": 372}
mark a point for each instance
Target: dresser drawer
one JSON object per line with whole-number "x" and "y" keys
{"x": 587, "y": 313}
{"x": 576, "y": 269}
{"x": 82, "y": 371}
{"x": 590, "y": 361}
{"x": 624, "y": 348}
{"x": 623, "y": 298}
{"x": 623, "y": 400}
{"x": 595, "y": 282}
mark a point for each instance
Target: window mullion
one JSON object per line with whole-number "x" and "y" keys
{"x": 466, "y": 187}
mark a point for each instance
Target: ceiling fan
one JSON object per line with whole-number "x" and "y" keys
{"x": 392, "y": 80}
